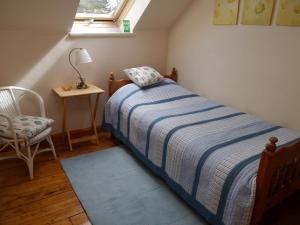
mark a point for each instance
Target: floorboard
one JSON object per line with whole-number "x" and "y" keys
{"x": 63, "y": 222}
{"x": 49, "y": 198}
{"x": 80, "y": 219}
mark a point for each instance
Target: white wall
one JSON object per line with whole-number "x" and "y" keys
{"x": 34, "y": 46}
{"x": 39, "y": 60}
{"x": 253, "y": 68}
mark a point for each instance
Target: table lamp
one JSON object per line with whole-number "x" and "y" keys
{"x": 81, "y": 56}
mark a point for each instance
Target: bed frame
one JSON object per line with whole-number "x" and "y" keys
{"x": 278, "y": 174}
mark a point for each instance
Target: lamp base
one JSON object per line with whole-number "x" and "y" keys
{"x": 82, "y": 85}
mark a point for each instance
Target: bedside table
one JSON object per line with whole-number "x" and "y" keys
{"x": 64, "y": 95}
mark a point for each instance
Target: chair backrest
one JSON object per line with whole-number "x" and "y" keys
{"x": 10, "y": 98}
{"x": 8, "y": 102}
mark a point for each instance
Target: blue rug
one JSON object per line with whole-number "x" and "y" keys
{"x": 115, "y": 189}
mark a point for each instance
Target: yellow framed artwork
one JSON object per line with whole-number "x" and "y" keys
{"x": 289, "y": 13}
{"x": 226, "y": 12}
{"x": 257, "y": 12}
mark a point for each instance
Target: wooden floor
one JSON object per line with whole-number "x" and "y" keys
{"x": 49, "y": 198}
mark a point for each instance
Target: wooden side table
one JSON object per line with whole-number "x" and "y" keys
{"x": 64, "y": 95}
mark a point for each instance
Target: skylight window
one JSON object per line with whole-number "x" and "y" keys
{"x": 100, "y": 9}
{"x": 107, "y": 17}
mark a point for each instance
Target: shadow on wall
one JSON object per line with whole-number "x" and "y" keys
{"x": 22, "y": 50}
{"x": 28, "y": 61}
{"x": 36, "y": 73}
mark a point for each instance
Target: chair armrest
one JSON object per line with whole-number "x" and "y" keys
{"x": 10, "y": 124}
{"x": 38, "y": 98}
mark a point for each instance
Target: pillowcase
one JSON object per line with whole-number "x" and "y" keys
{"x": 144, "y": 76}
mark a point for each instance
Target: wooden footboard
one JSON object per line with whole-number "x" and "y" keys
{"x": 278, "y": 177}
{"x": 114, "y": 85}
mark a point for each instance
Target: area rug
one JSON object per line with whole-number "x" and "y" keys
{"x": 116, "y": 189}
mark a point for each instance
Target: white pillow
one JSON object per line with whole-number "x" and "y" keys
{"x": 144, "y": 76}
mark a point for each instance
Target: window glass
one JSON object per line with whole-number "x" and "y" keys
{"x": 99, "y": 9}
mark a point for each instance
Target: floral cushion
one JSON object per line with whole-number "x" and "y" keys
{"x": 144, "y": 76}
{"x": 25, "y": 126}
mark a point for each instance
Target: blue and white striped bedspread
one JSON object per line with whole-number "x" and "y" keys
{"x": 207, "y": 152}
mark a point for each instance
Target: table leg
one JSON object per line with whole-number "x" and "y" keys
{"x": 64, "y": 116}
{"x": 96, "y": 106}
{"x": 65, "y": 128}
{"x": 93, "y": 116}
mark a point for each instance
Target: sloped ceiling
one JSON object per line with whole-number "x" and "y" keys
{"x": 161, "y": 14}
{"x": 44, "y": 15}
{"x": 58, "y": 15}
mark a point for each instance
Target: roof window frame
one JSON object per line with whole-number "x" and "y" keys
{"x": 102, "y": 18}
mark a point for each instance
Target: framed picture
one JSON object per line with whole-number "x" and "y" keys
{"x": 289, "y": 13}
{"x": 226, "y": 12}
{"x": 257, "y": 12}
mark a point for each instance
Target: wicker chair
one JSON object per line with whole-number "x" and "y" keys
{"x": 22, "y": 133}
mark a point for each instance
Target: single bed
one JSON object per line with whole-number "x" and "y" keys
{"x": 212, "y": 155}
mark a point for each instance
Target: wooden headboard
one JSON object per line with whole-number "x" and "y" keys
{"x": 114, "y": 85}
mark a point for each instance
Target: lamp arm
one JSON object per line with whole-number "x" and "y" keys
{"x": 80, "y": 77}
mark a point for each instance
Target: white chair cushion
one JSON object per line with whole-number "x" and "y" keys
{"x": 26, "y": 126}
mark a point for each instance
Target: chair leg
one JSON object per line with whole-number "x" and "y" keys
{"x": 17, "y": 149}
{"x": 29, "y": 161}
{"x": 30, "y": 168}
{"x": 49, "y": 139}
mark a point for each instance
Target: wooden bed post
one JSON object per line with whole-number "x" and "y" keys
{"x": 111, "y": 76}
{"x": 173, "y": 75}
{"x": 263, "y": 181}
{"x": 278, "y": 177}
{"x": 111, "y": 79}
